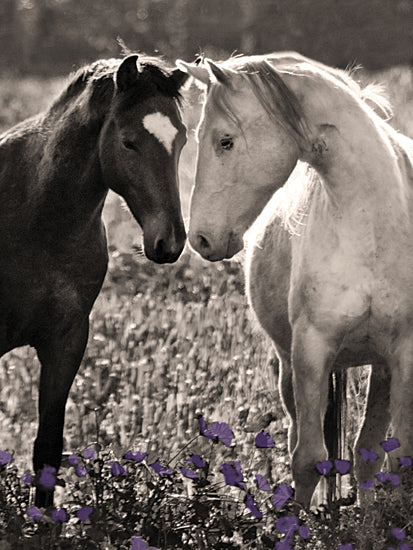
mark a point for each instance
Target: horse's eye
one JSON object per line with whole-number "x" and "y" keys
{"x": 129, "y": 145}
{"x": 226, "y": 143}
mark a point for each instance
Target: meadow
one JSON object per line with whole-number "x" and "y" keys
{"x": 167, "y": 343}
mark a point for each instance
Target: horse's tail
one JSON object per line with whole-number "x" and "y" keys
{"x": 335, "y": 423}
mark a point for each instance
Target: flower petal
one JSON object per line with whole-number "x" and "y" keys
{"x": 287, "y": 524}
{"x": 368, "y": 455}
{"x": 263, "y": 440}
{"x": 250, "y": 504}
{"x": 5, "y": 458}
{"x": 342, "y": 466}
{"x": 366, "y": 485}
{"x": 84, "y": 513}
{"x": 186, "y": 472}
{"x": 197, "y": 461}
{"x": 390, "y": 444}
{"x": 222, "y": 431}
{"x": 139, "y": 456}
{"x": 262, "y": 482}
{"x": 160, "y": 470}
{"x": 324, "y": 467}
{"x": 281, "y": 495}
{"x": 398, "y": 533}
{"x": 405, "y": 461}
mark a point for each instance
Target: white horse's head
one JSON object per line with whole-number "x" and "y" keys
{"x": 248, "y": 144}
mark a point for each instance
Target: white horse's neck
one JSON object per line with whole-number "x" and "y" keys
{"x": 355, "y": 152}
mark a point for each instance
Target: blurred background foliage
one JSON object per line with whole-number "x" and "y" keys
{"x": 52, "y": 37}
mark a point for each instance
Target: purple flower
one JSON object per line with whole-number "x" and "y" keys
{"x": 80, "y": 470}
{"x": 324, "y": 467}
{"x": 262, "y": 482}
{"x": 84, "y": 513}
{"x": 73, "y": 460}
{"x": 34, "y": 513}
{"x": 5, "y": 458}
{"x": 368, "y": 455}
{"x": 405, "y": 461}
{"x": 203, "y": 430}
{"x": 27, "y": 478}
{"x": 59, "y": 515}
{"x": 366, "y": 485}
{"x": 160, "y": 470}
{"x": 393, "y": 478}
{"x": 186, "y": 472}
{"x": 304, "y": 531}
{"x": 390, "y": 444}
{"x": 342, "y": 466}
{"x": 398, "y": 533}
{"x": 345, "y": 547}
{"x": 197, "y": 461}
{"x": 117, "y": 469}
{"x": 89, "y": 454}
{"x": 222, "y": 431}
{"x": 232, "y": 474}
{"x": 281, "y": 495}
{"x": 284, "y": 545}
{"x": 137, "y": 457}
{"x": 250, "y": 504}
{"x": 48, "y": 477}
{"x": 382, "y": 476}
{"x": 263, "y": 440}
{"x": 287, "y": 524}
{"x": 404, "y": 546}
{"x": 138, "y": 543}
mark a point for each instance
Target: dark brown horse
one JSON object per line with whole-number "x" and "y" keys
{"x": 117, "y": 125}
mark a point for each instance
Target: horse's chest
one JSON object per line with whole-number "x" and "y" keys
{"x": 355, "y": 300}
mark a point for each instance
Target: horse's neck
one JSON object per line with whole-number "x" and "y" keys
{"x": 69, "y": 170}
{"x": 354, "y": 152}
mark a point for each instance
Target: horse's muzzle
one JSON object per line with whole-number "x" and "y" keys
{"x": 165, "y": 246}
{"x": 214, "y": 250}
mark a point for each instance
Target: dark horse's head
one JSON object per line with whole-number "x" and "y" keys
{"x": 140, "y": 144}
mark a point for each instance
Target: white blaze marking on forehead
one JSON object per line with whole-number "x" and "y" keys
{"x": 162, "y": 128}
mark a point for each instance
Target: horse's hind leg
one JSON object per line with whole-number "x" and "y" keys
{"x": 375, "y": 423}
{"x": 60, "y": 359}
{"x": 401, "y": 400}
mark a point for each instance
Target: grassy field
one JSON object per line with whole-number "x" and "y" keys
{"x": 166, "y": 342}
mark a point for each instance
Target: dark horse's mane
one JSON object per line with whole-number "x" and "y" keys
{"x": 100, "y": 77}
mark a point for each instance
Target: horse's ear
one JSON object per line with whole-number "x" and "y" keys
{"x": 179, "y": 77}
{"x": 127, "y": 73}
{"x": 200, "y": 72}
{"x": 218, "y": 75}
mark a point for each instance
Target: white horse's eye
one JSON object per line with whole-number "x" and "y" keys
{"x": 226, "y": 143}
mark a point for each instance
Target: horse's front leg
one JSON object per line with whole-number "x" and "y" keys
{"x": 60, "y": 358}
{"x": 312, "y": 357}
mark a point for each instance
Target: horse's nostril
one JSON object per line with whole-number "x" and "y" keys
{"x": 160, "y": 247}
{"x": 203, "y": 242}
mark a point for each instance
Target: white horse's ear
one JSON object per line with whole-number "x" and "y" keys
{"x": 217, "y": 74}
{"x": 199, "y": 72}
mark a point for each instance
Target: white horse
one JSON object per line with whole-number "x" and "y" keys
{"x": 340, "y": 292}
